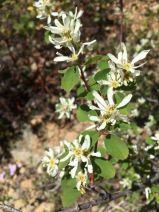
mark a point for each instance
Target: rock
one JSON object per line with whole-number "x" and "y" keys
{"x": 45, "y": 207}
{"x": 27, "y": 184}
{"x": 19, "y": 203}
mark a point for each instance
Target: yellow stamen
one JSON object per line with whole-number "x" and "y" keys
{"x": 127, "y": 66}
{"x": 114, "y": 83}
{"x": 66, "y": 34}
{"x": 78, "y": 152}
{"x": 52, "y": 162}
{"x": 74, "y": 57}
{"x": 111, "y": 109}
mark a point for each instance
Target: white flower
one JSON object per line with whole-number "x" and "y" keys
{"x": 134, "y": 113}
{"x": 141, "y": 100}
{"x": 113, "y": 80}
{"x": 156, "y": 138}
{"x": 74, "y": 55}
{"x": 81, "y": 179}
{"x": 109, "y": 111}
{"x": 135, "y": 148}
{"x": 65, "y": 32}
{"x": 79, "y": 152}
{"x": 129, "y": 70}
{"x": 147, "y": 192}
{"x": 65, "y": 107}
{"x": 44, "y": 9}
{"x": 126, "y": 183}
{"x": 50, "y": 162}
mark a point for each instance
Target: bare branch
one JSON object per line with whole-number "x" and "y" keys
{"x": 8, "y": 208}
{"x": 105, "y": 197}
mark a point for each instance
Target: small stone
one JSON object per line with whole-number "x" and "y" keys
{"x": 44, "y": 207}
{"x": 27, "y": 184}
{"x": 19, "y": 203}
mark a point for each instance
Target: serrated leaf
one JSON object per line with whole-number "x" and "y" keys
{"x": 116, "y": 147}
{"x": 107, "y": 170}
{"x": 69, "y": 194}
{"x": 82, "y": 113}
{"x": 70, "y": 78}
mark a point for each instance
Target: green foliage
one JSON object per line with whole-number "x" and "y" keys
{"x": 69, "y": 192}
{"x": 82, "y": 113}
{"x": 116, "y": 147}
{"x": 70, "y": 79}
{"x": 106, "y": 168}
{"x": 103, "y": 64}
{"x": 101, "y": 75}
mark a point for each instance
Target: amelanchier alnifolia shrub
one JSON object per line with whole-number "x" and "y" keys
{"x": 105, "y": 96}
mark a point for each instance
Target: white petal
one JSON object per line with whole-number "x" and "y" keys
{"x": 102, "y": 126}
{"x": 87, "y": 142}
{"x": 73, "y": 171}
{"x": 90, "y": 168}
{"x": 140, "y": 56}
{"x": 84, "y": 159}
{"x": 92, "y": 107}
{"x": 113, "y": 58}
{"x": 94, "y": 118}
{"x": 100, "y": 101}
{"x": 96, "y": 154}
{"x": 125, "y": 101}
{"x": 110, "y": 96}
{"x": 66, "y": 157}
{"x": 61, "y": 58}
{"x": 125, "y": 56}
{"x": 78, "y": 185}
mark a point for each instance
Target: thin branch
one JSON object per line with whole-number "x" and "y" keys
{"x": 84, "y": 79}
{"x": 8, "y": 208}
{"x": 105, "y": 197}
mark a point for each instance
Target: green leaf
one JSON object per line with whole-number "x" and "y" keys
{"x": 116, "y": 147}
{"x": 82, "y": 113}
{"x": 150, "y": 141}
{"x": 46, "y": 37}
{"x": 107, "y": 170}
{"x": 118, "y": 97}
{"x": 101, "y": 75}
{"x": 92, "y": 84}
{"x": 103, "y": 64}
{"x": 124, "y": 126}
{"x": 155, "y": 188}
{"x": 69, "y": 194}
{"x": 70, "y": 78}
{"x": 81, "y": 92}
{"x": 93, "y": 60}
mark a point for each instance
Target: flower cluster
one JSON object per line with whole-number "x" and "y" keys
{"x": 81, "y": 159}
{"x": 65, "y": 107}
{"x": 65, "y": 32}
{"x": 126, "y": 69}
{"x": 45, "y": 9}
{"x": 79, "y": 156}
{"x": 108, "y": 111}
{"x": 122, "y": 72}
